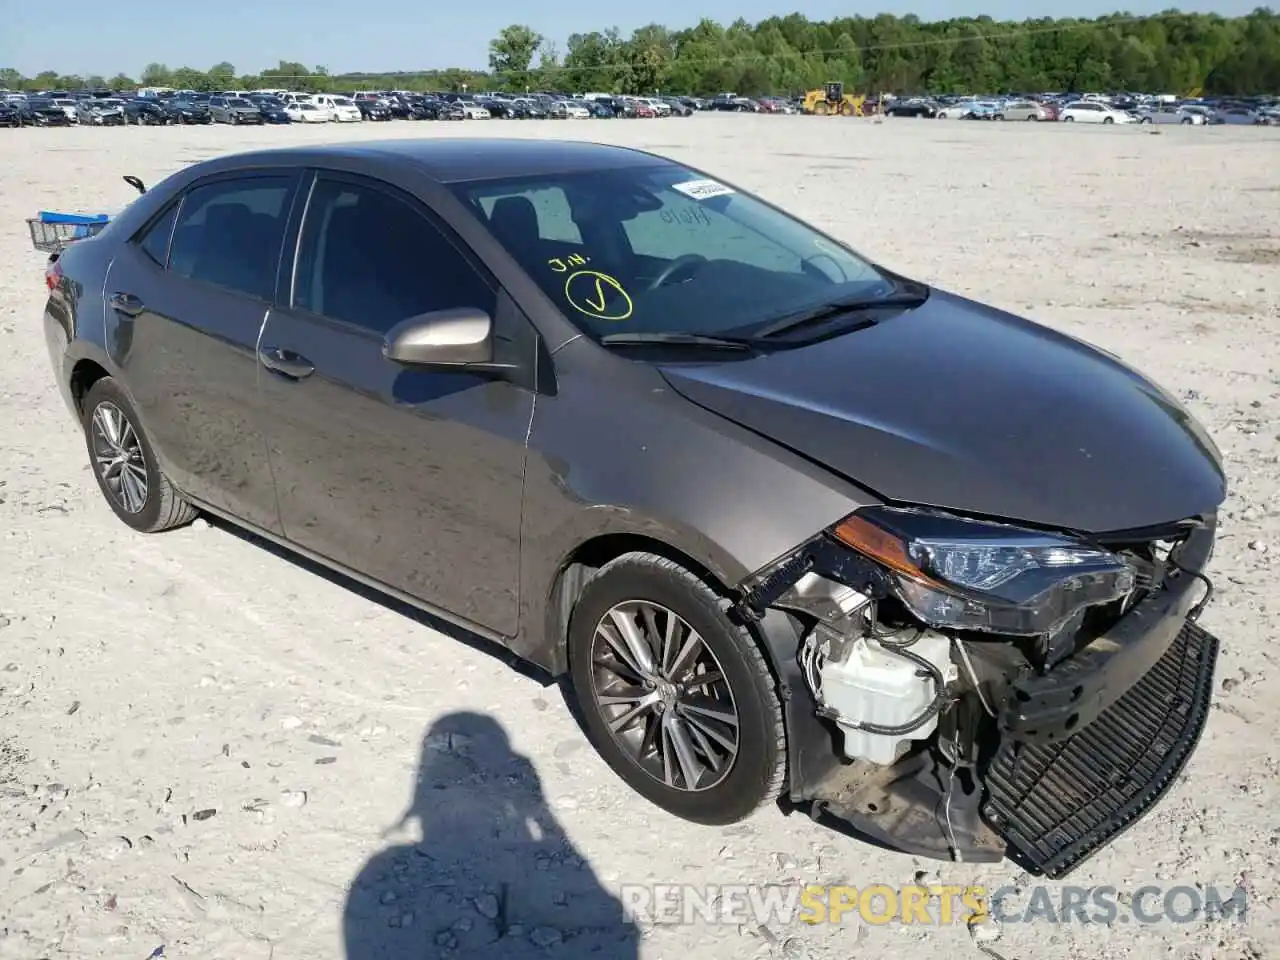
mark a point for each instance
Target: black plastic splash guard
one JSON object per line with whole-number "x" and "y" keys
{"x": 1058, "y": 804}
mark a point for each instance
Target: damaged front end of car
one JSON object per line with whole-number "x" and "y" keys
{"x": 972, "y": 691}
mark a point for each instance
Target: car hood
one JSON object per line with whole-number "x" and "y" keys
{"x": 960, "y": 406}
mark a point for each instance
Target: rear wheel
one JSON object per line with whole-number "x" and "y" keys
{"x": 1108, "y": 120}
{"x": 125, "y": 466}
{"x": 677, "y": 699}
{"x": 1068, "y": 119}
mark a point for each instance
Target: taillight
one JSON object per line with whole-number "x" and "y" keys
{"x": 53, "y": 276}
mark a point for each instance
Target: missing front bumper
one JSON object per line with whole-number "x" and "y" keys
{"x": 1058, "y": 803}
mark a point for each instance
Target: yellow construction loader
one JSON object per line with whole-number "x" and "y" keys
{"x": 831, "y": 100}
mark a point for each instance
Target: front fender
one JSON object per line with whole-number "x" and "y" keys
{"x": 618, "y": 452}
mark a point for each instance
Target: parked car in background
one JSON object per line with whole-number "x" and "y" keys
{"x": 373, "y": 109}
{"x": 145, "y": 111}
{"x": 1022, "y": 110}
{"x": 99, "y": 113}
{"x": 337, "y": 109}
{"x": 472, "y": 110}
{"x": 1169, "y": 113}
{"x": 1091, "y": 111}
{"x": 568, "y": 110}
{"x": 526, "y": 108}
{"x": 181, "y": 110}
{"x": 915, "y": 107}
{"x": 67, "y": 105}
{"x": 304, "y": 111}
{"x": 234, "y": 110}
{"x": 1242, "y": 116}
{"x": 42, "y": 112}
{"x": 954, "y": 111}
{"x": 982, "y": 110}
{"x": 272, "y": 110}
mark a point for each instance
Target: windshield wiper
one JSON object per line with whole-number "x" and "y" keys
{"x": 837, "y": 308}
{"x": 678, "y": 339}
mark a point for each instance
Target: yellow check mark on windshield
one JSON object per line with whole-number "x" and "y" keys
{"x": 597, "y": 302}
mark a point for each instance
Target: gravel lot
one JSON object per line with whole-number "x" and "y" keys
{"x": 203, "y": 744}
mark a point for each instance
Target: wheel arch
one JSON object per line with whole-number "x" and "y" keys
{"x": 578, "y": 565}
{"x": 85, "y": 372}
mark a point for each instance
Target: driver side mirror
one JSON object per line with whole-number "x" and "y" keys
{"x": 461, "y": 337}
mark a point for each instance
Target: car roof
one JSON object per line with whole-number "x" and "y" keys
{"x": 462, "y": 159}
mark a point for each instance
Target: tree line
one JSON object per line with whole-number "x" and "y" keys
{"x": 1170, "y": 52}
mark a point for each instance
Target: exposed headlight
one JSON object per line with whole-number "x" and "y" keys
{"x": 967, "y": 575}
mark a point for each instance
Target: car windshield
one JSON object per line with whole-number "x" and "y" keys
{"x": 342, "y": 101}
{"x": 238, "y": 102}
{"x": 662, "y": 249}
{"x": 305, "y": 106}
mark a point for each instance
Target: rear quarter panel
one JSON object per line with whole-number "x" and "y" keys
{"x": 74, "y": 314}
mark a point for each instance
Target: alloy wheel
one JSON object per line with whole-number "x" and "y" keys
{"x": 117, "y": 456}
{"x": 664, "y": 696}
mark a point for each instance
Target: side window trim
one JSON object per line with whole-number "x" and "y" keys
{"x": 139, "y": 235}
{"x": 311, "y": 179}
{"x": 295, "y": 176}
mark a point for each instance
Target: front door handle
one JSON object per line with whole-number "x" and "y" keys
{"x": 286, "y": 362}
{"x": 127, "y": 304}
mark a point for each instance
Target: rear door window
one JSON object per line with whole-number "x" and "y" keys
{"x": 229, "y": 233}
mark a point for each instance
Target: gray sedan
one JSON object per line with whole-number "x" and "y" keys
{"x": 790, "y": 525}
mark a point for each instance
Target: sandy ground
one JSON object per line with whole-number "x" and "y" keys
{"x": 208, "y": 748}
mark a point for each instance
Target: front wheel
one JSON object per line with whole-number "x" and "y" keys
{"x": 677, "y": 699}
{"x": 124, "y": 463}
{"x": 1068, "y": 119}
{"x": 1108, "y": 120}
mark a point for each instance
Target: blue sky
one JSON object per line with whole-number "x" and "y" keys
{"x": 96, "y": 38}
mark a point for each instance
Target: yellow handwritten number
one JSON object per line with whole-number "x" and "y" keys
{"x": 597, "y": 295}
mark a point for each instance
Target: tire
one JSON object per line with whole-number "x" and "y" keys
{"x": 160, "y": 507}
{"x": 1068, "y": 119}
{"x": 1186, "y": 121}
{"x": 750, "y": 778}
{"x": 1107, "y": 120}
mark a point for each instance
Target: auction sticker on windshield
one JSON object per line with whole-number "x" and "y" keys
{"x": 702, "y": 189}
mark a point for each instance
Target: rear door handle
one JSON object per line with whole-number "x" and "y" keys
{"x": 127, "y": 304}
{"x": 286, "y": 363}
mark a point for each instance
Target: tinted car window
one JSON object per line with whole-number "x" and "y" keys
{"x": 369, "y": 258}
{"x": 155, "y": 241}
{"x": 229, "y": 233}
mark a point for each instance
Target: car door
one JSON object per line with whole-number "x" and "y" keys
{"x": 412, "y": 476}
{"x": 187, "y": 298}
